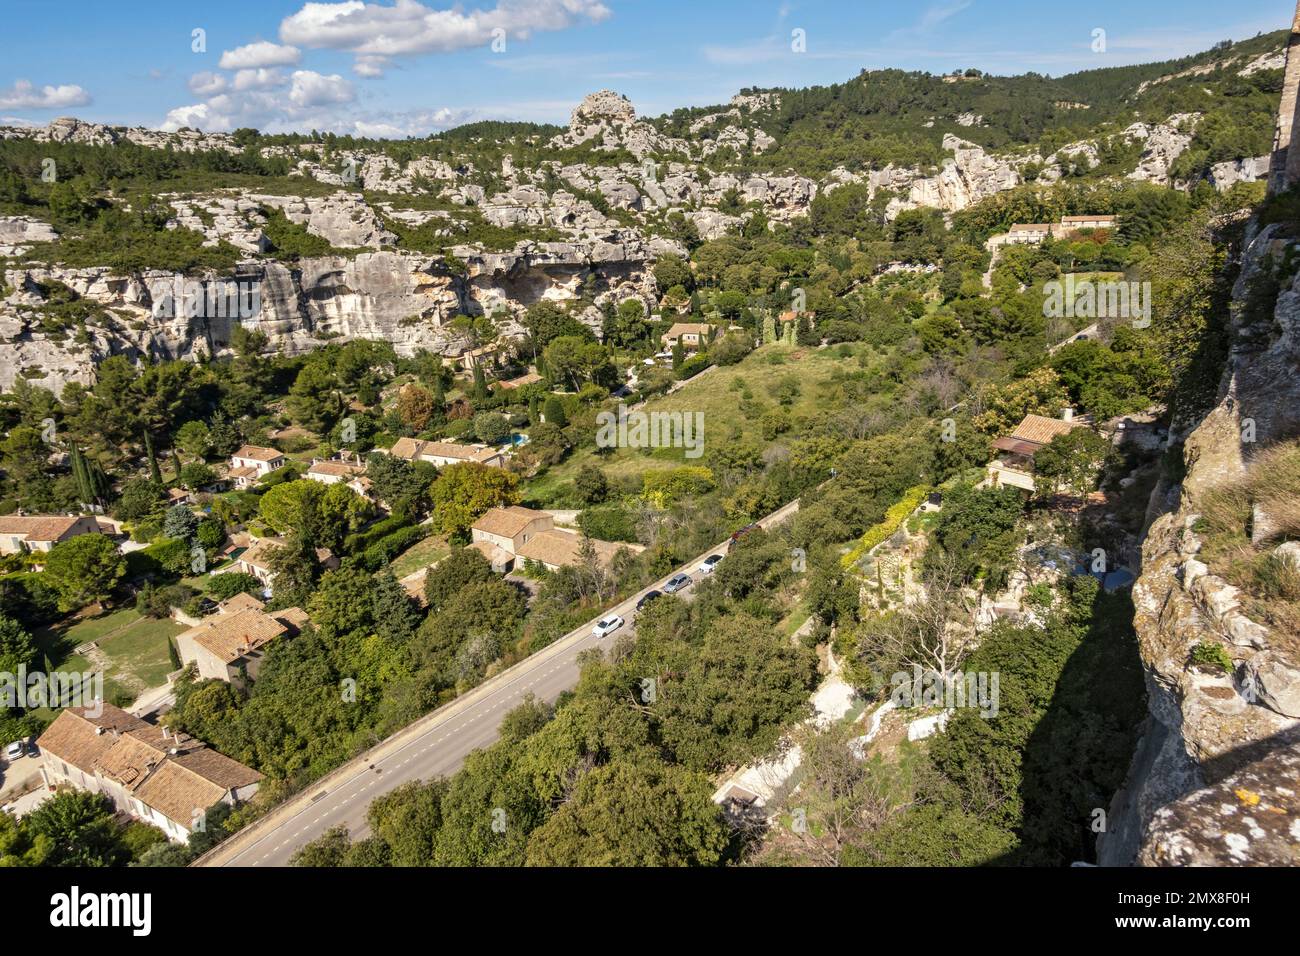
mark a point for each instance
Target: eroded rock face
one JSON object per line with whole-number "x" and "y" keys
{"x": 1163, "y": 144}
{"x": 1225, "y": 175}
{"x": 1211, "y": 737}
{"x": 969, "y": 176}
{"x": 1246, "y": 819}
{"x": 402, "y": 298}
{"x": 343, "y": 219}
{"x": 17, "y": 233}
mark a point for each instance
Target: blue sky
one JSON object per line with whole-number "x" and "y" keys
{"x": 399, "y": 67}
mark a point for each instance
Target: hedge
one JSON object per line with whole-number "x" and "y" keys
{"x": 894, "y": 518}
{"x": 376, "y": 532}
{"x": 170, "y": 556}
{"x": 383, "y": 551}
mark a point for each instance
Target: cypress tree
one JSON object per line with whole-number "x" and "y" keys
{"x": 480, "y": 382}
{"x": 155, "y": 473}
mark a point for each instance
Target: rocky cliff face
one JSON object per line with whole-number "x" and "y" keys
{"x": 1214, "y": 778}
{"x": 396, "y": 297}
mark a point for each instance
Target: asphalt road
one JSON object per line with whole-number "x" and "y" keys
{"x": 435, "y": 745}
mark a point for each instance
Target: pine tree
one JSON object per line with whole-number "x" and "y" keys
{"x": 395, "y": 614}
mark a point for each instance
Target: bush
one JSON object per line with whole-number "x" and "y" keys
{"x": 1212, "y": 657}
{"x": 158, "y": 602}
{"x": 693, "y": 366}
{"x": 361, "y": 540}
{"x": 608, "y": 523}
{"x": 383, "y": 551}
{"x": 225, "y": 586}
{"x": 170, "y": 556}
{"x": 894, "y": 517}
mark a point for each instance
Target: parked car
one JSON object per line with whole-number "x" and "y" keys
{"x": 608, "y": 625}
{"x": 708, "y": 564}
{"x": 15, "y": 750}
{"x": 647, "y": 598}
{"x": 736, "y": 536}
{"x": 676, "y": 583}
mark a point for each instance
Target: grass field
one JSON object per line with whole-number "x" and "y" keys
{"x": 135, "y": 648}
{"x": 420, "y": 555}
{"x": 716, "y": 395}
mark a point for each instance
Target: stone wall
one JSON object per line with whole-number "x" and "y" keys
{"x": 1285, "y": 166}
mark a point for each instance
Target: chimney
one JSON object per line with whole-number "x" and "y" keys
{"x": 1067, "y": 415}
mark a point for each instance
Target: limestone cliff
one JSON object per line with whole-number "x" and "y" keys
{"x": 396, "y": 297}
{"x": 1214, "y": 778}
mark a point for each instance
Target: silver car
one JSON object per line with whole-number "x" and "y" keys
{"x": 676, "y": 583}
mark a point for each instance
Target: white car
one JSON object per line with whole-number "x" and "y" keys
{"x": 606, "y": 626}
{"x": 15, "y": 750}
{"x": 708, "y": 564}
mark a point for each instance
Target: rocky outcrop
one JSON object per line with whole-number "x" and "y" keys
{"x": 607, "y": 120}
{"x": 343, "y": 219}
{"x": 969, "y": 176}
{"x": 1213, "y": 778}
{"x": 1163, "y": 144}
{"x": 235, "y": 219}
{"x": 69, "y": 129}
{"x": 1223, "y": 176}
{"x": 18, "y": 233}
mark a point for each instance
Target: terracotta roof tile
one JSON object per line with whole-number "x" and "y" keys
{"x": 1041, "y": 430}
{"x": 38, "y": 527}
{"x": 258, "y": 453}
{"x": 508, "y": 522}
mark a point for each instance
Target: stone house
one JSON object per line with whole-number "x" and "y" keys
{"x": 442, "y": 453}
{"x": 1013, "y": 463}
{"x": 164, "y": 778}
{"x": 231, "y": 643}
{"x": 253, "y": 462}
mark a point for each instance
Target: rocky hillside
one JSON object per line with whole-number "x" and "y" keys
{"x": 389, "y": 240}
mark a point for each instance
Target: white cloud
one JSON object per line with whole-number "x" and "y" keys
{"x": 313, "y": 89}
{"x": 24, "y": 96}
{"x": 370, "y": 66}
{"x": 263, "y": 53}
{"x": 375, "y": 32}
{"x": 259, "y": 79}
{"x": 207, "y": 83}
{"x": 256, "y": 98}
